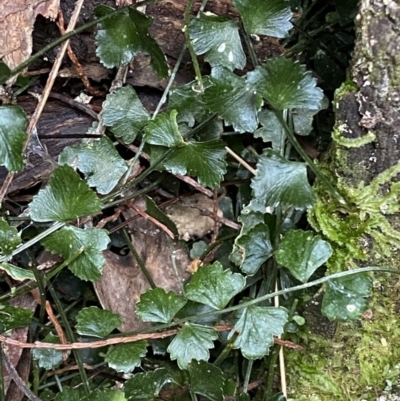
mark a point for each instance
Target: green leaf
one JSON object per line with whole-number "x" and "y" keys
{"x": 12, "y": 317}
{"x": 48, "y": 358}
{"x": 154, "y": 211}
{"x": 164, "y": 131}
{"x": 257, "y": 327}
{"x": 68, "y": 241}
{"x": 9, "y": 238}
{"x": 303, "y": 118}
{"x": 345, "y": 298}
{"x": 69, "y": 394}
{"x": 233, "y": 99}
{"x": 282, "y": 182}
{"x": 271, "y": 130}
{"x": 302, "y": 253}
{"x": 124, "y": 113}
{"x": 192, "y": 343}
{"x": 5, "y": 72}
{"x": 213, "y": 286}
{"x": 146, "y": 386}
{"x": 105, "y": 395}
{"x": 286, "y": 85}
{"x": 188, "y": 102}
{"x": 204, "y": 159}
{"x": 123, "y": 35}
{"x": 65, "y": 198}
{"x": 99, "y": 161}
{"x": 126, "y": 357}
{"x": 218, "y": 38}
{"x": 157, "y": 305}
{"x": 270, "y": 18}
{"x": 13, "y": 123}
{"x": 206, "y": 380}
{"x": 17, "y": 273}
{"x": 252, "y": 249}
{"x": 95, "y": 322}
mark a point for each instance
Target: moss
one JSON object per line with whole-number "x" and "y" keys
{"x": 352, "y": 142}
{"x": 359, "y": 362}
{"x": 363, "y": 355}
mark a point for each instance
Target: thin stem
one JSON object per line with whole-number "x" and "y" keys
{"x": 2, "y": 387}
{"x": 227, "y": 349}
{"x": 250, "y": 46}
{"x": 189, "y": 44}
{"x": 33, "y": 241}
{"x": 36, "y": 375}
{"x": 247, "y": 377}
{"x": 139, "y": 260}
{"x": 308, "y": 160}
{"x": 70, "y": 336}
{"x": 134, "y": 195}
{"x": 170, "y": 82}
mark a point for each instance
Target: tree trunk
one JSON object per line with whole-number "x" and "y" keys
{"x": 363, "y": 358}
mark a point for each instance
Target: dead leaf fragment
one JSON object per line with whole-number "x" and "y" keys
{"x": 17, "y": 18}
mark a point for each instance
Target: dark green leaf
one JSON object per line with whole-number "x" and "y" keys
{"x": 192, "y": 343}
{"x": 154, "y": 211}
{"x": 211, "y": 285}
{"x": 123, "y": 35}
{"x": 146, "y": 386}
{"x": 69, "y": 240}
{"x": 124, "y": 113}
{"x": 164, "y": 131}
{"x": 286, "y": 85}
{"x": 204, "y": 159}
{"x": 302, "y": 253}
{"x": 95, "y": 322}
{"x": 270, "y": 18}
{"x": 5, "y": 72}
{"x": 195, "y": 309}
{"x": 13, "y": 123}
{"x": 257, "y": 327}
{"x": 69, "y": 394}
{"x": 303, "y": 118}
{"x": 188, "y": 102}
{"x": 48, "y": 358}
{"x": 271, "y": 130}
{"x": 17, "y": 273}
{"x": 206, "y": 380}
{"x": 282, "y": 182}
{"x": 12, "y": 317}
{"x": 157, "y": 305}
{"x": 252, "y": 249}
{"x": 126, "y": 357}
{"x": 65, "y": 198}
{"x": 345, "y": 298}
{"x": 105, "y": 395}
{"x": 99, "y": 161}
{"x": 9, "y": 238}
{"x": 218, "y": 38}
{"x": 233, "y": 99}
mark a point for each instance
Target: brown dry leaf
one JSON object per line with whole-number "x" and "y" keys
{"x": 123, "y": 282}
{"x": 17, "y": 18}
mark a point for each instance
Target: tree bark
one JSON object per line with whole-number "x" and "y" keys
{"x": 363, "y": 162}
